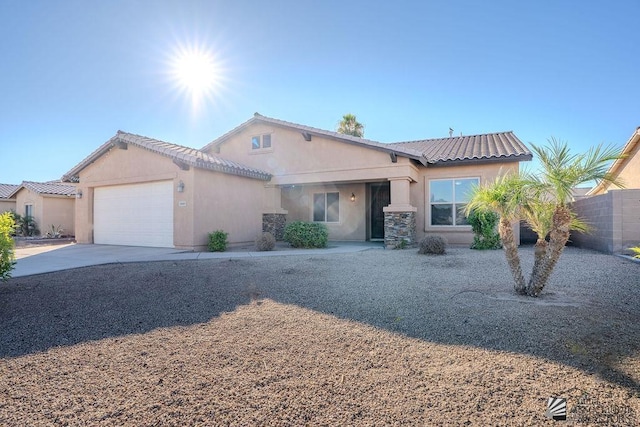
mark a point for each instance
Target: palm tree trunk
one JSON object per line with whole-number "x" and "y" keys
{"x": 540, "y": 254}
{"x": 505, "y": 229}
{"x": 558, "y": 238}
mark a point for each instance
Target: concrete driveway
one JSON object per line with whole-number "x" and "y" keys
{"x": 46, "y": 259}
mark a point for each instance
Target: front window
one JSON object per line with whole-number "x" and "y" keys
{"x": 326, "y": 207}
{"x": 447, "y": 200}
{"x": 28, "y": 210}
{"x": 261, "y": 141}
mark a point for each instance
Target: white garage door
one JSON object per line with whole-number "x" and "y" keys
{"x": 134, "y": 215}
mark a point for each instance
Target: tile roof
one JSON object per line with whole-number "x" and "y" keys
{"x": 455, "y": 149}
{"x": 54, "y": 188}
{"x": 406, "y": 151}
{"x": 7, "y": 190}
{"x": 179, "y": 153}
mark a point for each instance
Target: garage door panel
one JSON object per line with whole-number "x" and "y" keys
{"x": 136, "y": 215}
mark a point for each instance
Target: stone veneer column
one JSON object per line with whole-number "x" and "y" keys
{"x": 400, "y": 216}
{"x": 398, "y": 227}
{"x": 274, "y": 223}
{"x": 273, "y": 216}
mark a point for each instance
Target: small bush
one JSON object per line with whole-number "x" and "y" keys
{"x": 218, "y": 241}
{"x": 433, "y": 244}
{"x": 636, "y": 251}
{"x": 7, "y": 256}
{"x": 54, "y": 232}
{"x": 300, "y": 234}
{"x": 483, "y": 225}
{"x": 265, "y": 242}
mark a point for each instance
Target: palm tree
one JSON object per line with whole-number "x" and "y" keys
{"x": 505, "y": 197}
{"x": 561, "y": 172}
{"x": 543, "y": 201}
{"x": 349, "y": 125}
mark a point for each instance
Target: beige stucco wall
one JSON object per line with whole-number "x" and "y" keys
{"x": 60, "y": 212}
{"x": 298, "y": 201}
{"x": 27, "y": 197}
{"x": 7, "y": 205}
{"x": 626, "y": 170}
{"x": 630, "y": 173}
{"x": 294, "y": 161}
{"x": 229, "y": 203}
{"x": 420, "y": 197}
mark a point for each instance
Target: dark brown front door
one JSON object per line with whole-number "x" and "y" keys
{"x": 380, "y": 197}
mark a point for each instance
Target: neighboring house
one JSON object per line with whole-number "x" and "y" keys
{"x": 135, "y": 190}
{"x": 7, "y": 201}
{"x": 49, "y": 203}
{"x": 626, "y": 169}
{"x": 613, "y": 212}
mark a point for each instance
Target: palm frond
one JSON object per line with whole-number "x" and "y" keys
{"x": 563, "y": 171}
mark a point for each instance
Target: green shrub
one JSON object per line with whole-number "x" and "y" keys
{"x": 25, "y": 226}
{"x": 300, "y": 234}
{"x": 636, "y": 251}
{"x": 483, "y": 225}
{"x": 433, "y": 244}
{"x": 218, "y": 241}
{"x": 265, "y": 242}
{"x": 7, "y": 256}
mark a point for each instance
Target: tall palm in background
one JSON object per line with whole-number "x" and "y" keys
{"x": 543, "y": 202}
{"x": 349, "y": 125}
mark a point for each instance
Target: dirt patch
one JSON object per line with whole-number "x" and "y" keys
{"x": 374, "y": 338}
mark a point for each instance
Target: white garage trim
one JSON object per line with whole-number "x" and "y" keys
{"x": 134, "y": 215}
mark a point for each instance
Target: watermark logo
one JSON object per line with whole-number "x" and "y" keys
{"x": 556, "y": 409}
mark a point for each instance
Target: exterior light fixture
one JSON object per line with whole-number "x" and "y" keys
{"x": 180, "y": 187}
{"x": 353, "y": 197}
{"x": 79, "y": 194}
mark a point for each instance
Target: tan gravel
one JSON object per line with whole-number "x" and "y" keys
{"x": 375, "y": 338}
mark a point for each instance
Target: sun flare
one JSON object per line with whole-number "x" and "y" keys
{"x": 196, "y": 72}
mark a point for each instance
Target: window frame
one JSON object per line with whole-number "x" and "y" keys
{"x": 326, "y": 208}
{"x": 453, "y": 202}
{"x": 28, "y": 209}
{"x": 260, "y": 146}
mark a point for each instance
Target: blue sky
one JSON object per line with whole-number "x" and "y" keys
{"x": 74, "y": 72}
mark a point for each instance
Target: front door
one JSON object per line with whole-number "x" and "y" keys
{"x": 380, "y": 198}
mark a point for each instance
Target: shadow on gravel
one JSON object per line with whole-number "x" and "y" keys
{"x": 588, "y": 318}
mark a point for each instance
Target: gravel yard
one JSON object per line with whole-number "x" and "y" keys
{"x": 382, "y": 337}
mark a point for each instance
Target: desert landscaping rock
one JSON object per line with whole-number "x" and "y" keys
{"x": 370, "y": 338}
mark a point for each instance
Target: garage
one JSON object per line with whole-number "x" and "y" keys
{"x": 134, "y": 215}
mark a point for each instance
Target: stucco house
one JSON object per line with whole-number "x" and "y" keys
{"x": 7, "y": 200}
{"x": 626, "y": 169}
{"x": 135, "y": 190}
{"x": 49, "y": 203}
